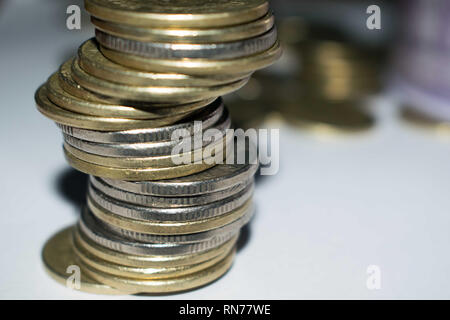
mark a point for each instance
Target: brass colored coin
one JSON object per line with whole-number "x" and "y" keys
{"x": 147, "y": 261}
{"x": 327, "y": 117}
{"x": 169, "y": 227}
{"x": 188, "y": 35}
{"x": 169, "y": 285}
{"x": 422, "y": 120}
{"x": 72, "y": 119}
{"x": 157, "y": 272}
{"x": 180, "y": 13}
{"x": 197, "y": 66}
{"x": 58, "y": 254}
{"x": 142, "y": 162}
{"x": 152, "y": 93}
{"x": 69, "y": 102}
{"x": 94, "y": 62}
{"x": 140, "y": 174}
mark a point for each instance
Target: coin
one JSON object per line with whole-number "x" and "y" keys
{"x": 188, "y": 35}
{"x": 180, "y": 13}
{"x": 177, "y": 284}
{"x": 420, "y": 119}
{"x": 95, "y": 230}
{"x": 58, "y": 255}
{"x": 167, "y": 50}
{"x": 93, "y": 62}
{"x": 219, "y": 177}
{"x": 137, "y": 174}
{"x": 208, "y": 117}
{"x": 180, "y": 214}
{"x": 69, "y": 118}
{"x": 197, "y": 66}
{"x": 169, "y": 227}
{"x": 147, "y": 261}
{"x": 166, "y": 202}
{"x": 156, "y": 94}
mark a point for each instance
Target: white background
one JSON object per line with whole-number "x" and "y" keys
{"x": 337, "y": 205}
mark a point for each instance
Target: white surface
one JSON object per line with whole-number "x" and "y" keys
{"x": 336, "y": 206}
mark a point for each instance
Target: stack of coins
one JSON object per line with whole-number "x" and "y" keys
{"x": 154, "y": 71}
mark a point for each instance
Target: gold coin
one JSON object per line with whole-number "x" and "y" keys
{"x": 69, "y": 85}
{"x": 157, "y": 272}
{"x": 140, "y": 174}
{"x": 196, "y": 66}
{"x": 147, "y": 261}
{"x": 188, "y": 35}
{"x": 168, "y": 227}
{"x": 58, "y": 255}
{"x": 152, "y": 93}
{"x": 94, "y": 62}
{"x": 170, "y": 285}
{"x": 69, "y": 102}
{"x": 180, "y": 13}
{"x": 144, "y": 162}
{"x": 323, "y": 116}
{"x": 72, "y": 119}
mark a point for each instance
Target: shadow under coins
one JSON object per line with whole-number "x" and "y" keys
{"x": 72, "y": 185}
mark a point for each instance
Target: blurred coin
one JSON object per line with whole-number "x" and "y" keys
{"x": 423, "y": 120}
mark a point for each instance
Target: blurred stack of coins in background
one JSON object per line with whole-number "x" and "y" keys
{"x": 152, "y": 224}
{"x": 421, "y": 62}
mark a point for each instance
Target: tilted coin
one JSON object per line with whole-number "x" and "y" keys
{"x": 180, "y": 13}
{"x": 188, "y": 35}
{"x": 138, "y": 174}
{"x": 219, "y": 177}
{"x": 69, "y": 102}
{"x": 166, "y": 202}
{"x": 156, "y": 94}
{"x": 169, "y": 227}
{"x": 150, "y": 149}
{"x": 160, "y": 272}
{"x": 58, "y": 254}
{"x": 180, "y": 214}
{"x": 221, "y": 232}
{"x": 147, "y": 261}
{"x": 94, "y": 62}
{"x": 208, "y": 117}
{"x": 167, "y": 50}
{"x": 421, "y": 119}
{"x": 69, "y": 118}
{"x": 177, "y": 284}
{"x": 197, "y": 66}
{"x": 94, "y": 230}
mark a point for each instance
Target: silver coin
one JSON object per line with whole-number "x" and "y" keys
{"x": 91, "y": 228}
{"x": 166, "y": 202}
{"x": 192, "y": 213}
{"x": 213, "y": 51}
{"x": 209, "y": 116}
{"x": 219, "y": 177}
{"x": 225, "y": 231}
{"x": 145, "y": 149}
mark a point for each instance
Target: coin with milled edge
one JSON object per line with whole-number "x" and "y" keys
{"x": 94, "y": 62}
{"x": 58, "y": 254}
{"x": 94, "y": 230}
{"x": 166, "y": 202}
{"x": 188, "y": 35}
{"x": 169, "y": 227}
{"x": 156, "y": 94}
{"x": 147, "y": 261}
{"x": 208, "y": 117}
{"x": 180, "y": 214}
{"x": 213, "y": 51}
{"x": 197, "y": 66}
{"x": 180, "y": 13}
{"x": 69, "y": 118}
{"x": 177, "y": 284}
{"x": 219, "y": 177}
